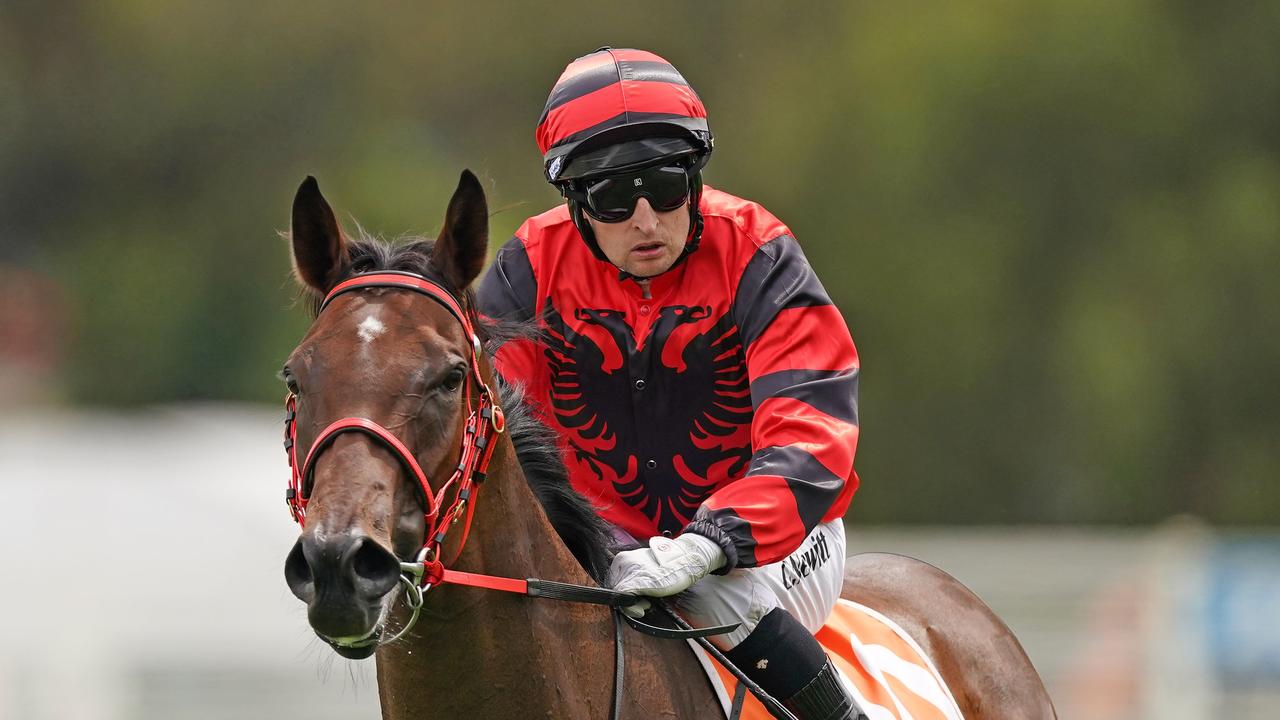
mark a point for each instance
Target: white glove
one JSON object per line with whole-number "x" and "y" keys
{"x": 668, "y": 566}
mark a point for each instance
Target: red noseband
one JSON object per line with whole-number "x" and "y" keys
{"x": 373, "y": 429}
{"x": 485, "y": 422}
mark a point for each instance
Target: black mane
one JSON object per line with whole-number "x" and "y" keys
{"x": 586, "y": 535}
{"x": 370, "y": 254}
{"x": 583, "y": 532}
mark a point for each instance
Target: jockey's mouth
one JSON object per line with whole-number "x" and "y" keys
{"x": 648, "y": 249}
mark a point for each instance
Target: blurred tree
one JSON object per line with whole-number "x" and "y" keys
{"x": 1052, "y": 226}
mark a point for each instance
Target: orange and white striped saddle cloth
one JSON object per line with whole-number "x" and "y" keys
{"x": 882, "y": 668}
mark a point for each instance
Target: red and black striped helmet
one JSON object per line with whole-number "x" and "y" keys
{"x": 618, "y": 108}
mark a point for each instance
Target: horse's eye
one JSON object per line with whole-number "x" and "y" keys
{"x": 453, "y": 380}
{"x": 289, "y": 381}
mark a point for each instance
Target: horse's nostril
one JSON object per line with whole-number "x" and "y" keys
{"x": 297, "y": 573}
{"x": 375, "y": 569}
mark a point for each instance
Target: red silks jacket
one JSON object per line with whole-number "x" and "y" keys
{"x": 726, "y": 404}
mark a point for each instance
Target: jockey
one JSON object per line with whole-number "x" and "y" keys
{"x": 702, "y": 383}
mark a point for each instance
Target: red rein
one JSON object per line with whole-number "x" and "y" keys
{"x": 483, "y": 425}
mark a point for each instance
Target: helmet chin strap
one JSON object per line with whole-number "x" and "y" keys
{"x": 691, "y": 242}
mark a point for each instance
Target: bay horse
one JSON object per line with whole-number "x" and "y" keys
{"x": 402, "y": 366}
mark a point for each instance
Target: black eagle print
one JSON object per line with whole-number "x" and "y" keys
{"x": 656, "y": 419}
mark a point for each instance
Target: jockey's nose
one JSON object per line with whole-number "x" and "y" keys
{"x": 645, "y": 218}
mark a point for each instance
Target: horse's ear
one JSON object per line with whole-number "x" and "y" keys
{"x": 460, "y": 250}
{"x": 318, "y": 244}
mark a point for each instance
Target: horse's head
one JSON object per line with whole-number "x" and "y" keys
{"x": 401, "y": 360}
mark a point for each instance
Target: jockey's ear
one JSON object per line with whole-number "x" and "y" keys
{"x": 319, "y": 247}
{"x": 460, "y": 250}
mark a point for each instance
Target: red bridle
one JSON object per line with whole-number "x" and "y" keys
{"x": 485, "y": 422}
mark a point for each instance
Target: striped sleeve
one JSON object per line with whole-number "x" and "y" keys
{"x": 508, "y": 292}
{"x": 803, "y": 369}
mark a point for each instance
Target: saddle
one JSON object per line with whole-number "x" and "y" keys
{"x": 884, "y": 670}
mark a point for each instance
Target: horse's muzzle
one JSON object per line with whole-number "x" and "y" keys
{"x": 343, "y": 579}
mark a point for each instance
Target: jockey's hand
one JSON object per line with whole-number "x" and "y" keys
{"x": 668, "y": 566}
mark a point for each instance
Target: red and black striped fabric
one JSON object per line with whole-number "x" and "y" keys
{"x": 724, "y": 404}
{"x": 612, "y": 90}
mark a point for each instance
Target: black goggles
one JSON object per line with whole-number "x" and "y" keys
{"x": 613, "y": 199}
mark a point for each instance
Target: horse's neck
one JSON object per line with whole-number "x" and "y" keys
{"x": 482, "y": 653}
{"x": 477, "y": 651}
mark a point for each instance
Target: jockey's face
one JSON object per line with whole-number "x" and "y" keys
{"x": 647, "y": 243}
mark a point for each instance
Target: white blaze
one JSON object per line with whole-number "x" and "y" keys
{"x": 370, "y": 328}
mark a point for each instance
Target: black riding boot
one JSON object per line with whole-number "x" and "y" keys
{"x": 786, "y": 661}
{"x": 824, "y": 697}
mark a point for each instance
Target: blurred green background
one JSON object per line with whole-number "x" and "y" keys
{"x": 1053, "y": 227}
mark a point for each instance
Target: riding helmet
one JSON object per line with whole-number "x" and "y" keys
{"x": 616, "y": 110}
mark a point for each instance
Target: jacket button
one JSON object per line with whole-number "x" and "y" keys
{"x": 651, "y": 464}
{"x": 640, "y": 384}
{"x": 644, "y": 309}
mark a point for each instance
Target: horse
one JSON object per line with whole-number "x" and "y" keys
{"x": 408, "y": 372}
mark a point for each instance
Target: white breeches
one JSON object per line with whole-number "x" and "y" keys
{"x": 806, "y": 584}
